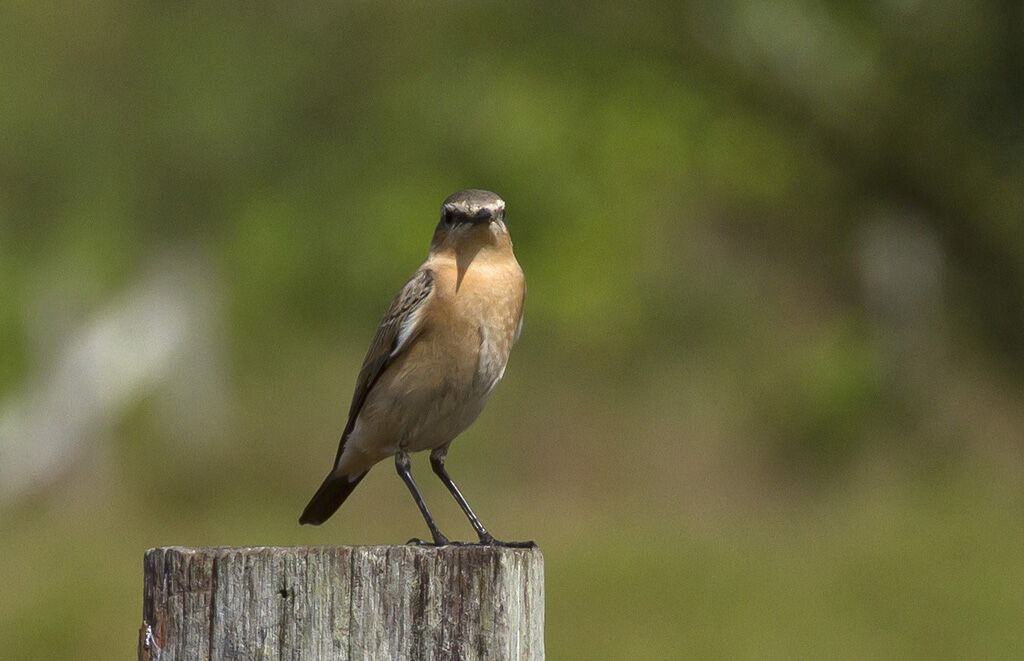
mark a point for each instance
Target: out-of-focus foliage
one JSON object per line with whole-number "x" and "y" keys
{"x": 768, "y": 398}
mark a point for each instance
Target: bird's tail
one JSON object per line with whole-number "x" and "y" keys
{"x": 329, "y": 497}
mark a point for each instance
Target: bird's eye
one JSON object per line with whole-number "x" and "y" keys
{"x": 447, "y": 217}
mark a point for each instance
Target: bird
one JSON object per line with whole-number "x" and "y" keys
{"x": 435, "y": 359}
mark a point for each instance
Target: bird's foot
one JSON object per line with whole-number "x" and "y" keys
{"x": 439, "y": 540}
{"x": 528, "y": 544}
{"x": 488, "y": 540}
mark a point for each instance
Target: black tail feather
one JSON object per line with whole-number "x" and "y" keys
{"x": 329, "y": 497}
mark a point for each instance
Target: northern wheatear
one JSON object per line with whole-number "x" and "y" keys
{"x": 437, "y": 355}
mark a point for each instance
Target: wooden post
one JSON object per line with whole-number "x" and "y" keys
{"x": 345, "y": 602}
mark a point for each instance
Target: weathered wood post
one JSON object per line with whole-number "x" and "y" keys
{"x": 346, "y": 602}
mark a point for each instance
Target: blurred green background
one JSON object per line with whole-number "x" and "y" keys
{"x": 768, "y": 401}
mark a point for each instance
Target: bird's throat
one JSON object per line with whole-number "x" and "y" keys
{"x": 464, "y": 256}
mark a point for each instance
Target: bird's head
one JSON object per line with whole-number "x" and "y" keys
{"x": 471, "y": 219}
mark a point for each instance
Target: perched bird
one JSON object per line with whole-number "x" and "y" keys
{"x": 439, "y": 352}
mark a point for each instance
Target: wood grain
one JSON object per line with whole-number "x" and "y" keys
{"x": 347, "y": 602}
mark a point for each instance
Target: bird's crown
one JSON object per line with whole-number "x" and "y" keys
{"x": 473, "y": 202}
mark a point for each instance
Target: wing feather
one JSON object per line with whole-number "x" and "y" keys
{"x": 399, "y": 327}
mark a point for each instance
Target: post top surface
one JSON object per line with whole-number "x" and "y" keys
{"x": 466, "y": 549}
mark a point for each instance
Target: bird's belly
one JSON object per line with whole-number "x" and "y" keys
{"x": 416, "y": 420}
{"x": 449, "y": 416}
{"x": 396, "y": 419}
{"x": 431, "y": 396}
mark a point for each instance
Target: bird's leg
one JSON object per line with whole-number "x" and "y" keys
{"x": 402, "y": 466}
{"x": 437, "y": 459}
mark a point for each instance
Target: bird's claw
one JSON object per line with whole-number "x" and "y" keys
{"x": 443, "y": 541}
{"x": 485, "y": 541}
{"x": 490, "y": 541}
